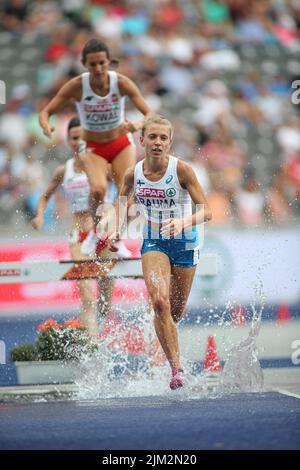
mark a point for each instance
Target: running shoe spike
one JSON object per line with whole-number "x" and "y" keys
{"x": 177, "y": 379}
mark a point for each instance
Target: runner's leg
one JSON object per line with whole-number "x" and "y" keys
{"x": 157, "y": 271}
{"x": 124, "y": 160}
{"x": 88, "y": 305}
{"x": 96, "y": 170}
{"x": 181, "y": 283}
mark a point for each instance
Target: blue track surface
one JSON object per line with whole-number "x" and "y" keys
{"x": 242, "y": 421}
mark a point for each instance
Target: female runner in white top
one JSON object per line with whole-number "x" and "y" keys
{"x": 165, "y": 188}
{"x": 76, "y": 186}
{"x": 99, "y": 95}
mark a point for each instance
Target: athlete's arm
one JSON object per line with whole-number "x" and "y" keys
{"x": 68, "y": 92}
{"x": 189, "y": 181}
{"x": 122, "y": 203}
{"x": 57, "y": 179}
{"x": 129, "y": 88}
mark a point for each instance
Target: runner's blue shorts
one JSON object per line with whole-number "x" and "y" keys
{"x": 183, "y": 250}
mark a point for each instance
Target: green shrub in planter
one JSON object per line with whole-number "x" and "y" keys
{"x": 23, "y": 352}
{"x": 56, "y": 342}
{"x": 65, "y": 344}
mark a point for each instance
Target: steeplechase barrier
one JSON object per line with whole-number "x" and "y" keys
{"x": 46, "y": 271}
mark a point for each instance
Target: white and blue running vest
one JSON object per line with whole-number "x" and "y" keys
{"x": 101, "y": 113}
{"x": 163, "y": 199}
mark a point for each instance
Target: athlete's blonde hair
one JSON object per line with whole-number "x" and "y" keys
{"x": 157, "y": 119}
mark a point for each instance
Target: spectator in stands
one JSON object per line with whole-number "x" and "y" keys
{"x": 292, "y": 172}
{"x": 277, "y": 207}
{"x": 33, "y": 179}
{"x": 250, "y": 201}
{"x": 10, "y": 187}
{"x": 15, "y": 13}
{"x": 288, "y": 136}
{"x": 176, "y": 69}
{"x": 219, "y": 202}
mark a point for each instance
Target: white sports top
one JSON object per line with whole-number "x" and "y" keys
{"x": 76, "y": 187}
{"x": 163, "y": 199}
{"x": 101, "y": 113}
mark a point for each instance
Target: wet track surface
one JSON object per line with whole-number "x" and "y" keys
{"x": 239, "y": 421}
{"x": 162, "y": 420}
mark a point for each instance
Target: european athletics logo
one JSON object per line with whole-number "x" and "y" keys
{"x": 171, "y": 192}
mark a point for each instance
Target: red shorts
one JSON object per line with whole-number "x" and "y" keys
{"x": 82, "y": 235}
{"x": 109, "y": 150}
{"x": 78, "y": 237}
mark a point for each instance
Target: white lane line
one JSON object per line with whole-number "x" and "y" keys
{"x": 289, "y": 394}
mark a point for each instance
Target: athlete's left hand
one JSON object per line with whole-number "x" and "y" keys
{"x": 130, "y": 126}
{"x": 171, "y": 227}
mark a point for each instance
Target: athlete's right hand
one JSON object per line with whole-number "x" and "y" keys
{"x": 48, "y": 129}
{"x": 37, "y": 222}
{"x": 112, "y": 239}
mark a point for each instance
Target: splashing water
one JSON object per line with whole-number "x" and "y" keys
{"x": 118, "y": 371}
{"x": 100, "y": 380}
{"x": 242, "y": 371}
{"x": 121, "y": 367}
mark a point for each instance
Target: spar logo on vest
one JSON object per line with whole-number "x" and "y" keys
{"x": 157, "y": 198}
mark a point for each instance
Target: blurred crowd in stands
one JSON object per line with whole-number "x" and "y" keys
{"x": 223, "y": 71}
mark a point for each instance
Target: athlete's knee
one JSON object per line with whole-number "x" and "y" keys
{"x": 98, "y": 192}
{"x": 161, "y": 303}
